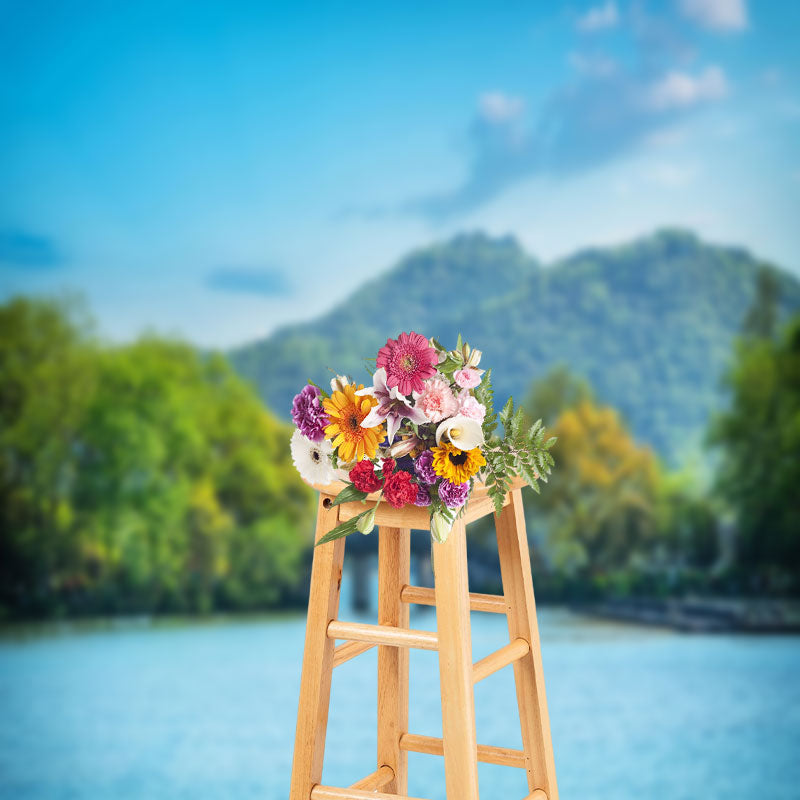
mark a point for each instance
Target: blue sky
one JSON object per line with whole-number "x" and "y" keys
{"x": 215, "y": 170}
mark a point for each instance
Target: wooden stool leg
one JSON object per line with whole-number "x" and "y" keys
{"x": 315, "y": 680}
{"x": 394, "y": 564}
{"x": 455, "y": 666}
{"x": 515, "y": 565}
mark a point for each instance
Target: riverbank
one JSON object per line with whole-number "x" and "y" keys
{"x": 703, "y": 615}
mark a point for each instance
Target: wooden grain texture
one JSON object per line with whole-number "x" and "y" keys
{"x": 383, "y": 634}
{"x": 421, "y": 595}
{"x": 513, "y": 651}
{"x": 344, "y": 652}
{"x": 375, "y": 781}
{"x": 455, "y": 665}
{"x": 432, "y": 745}
{"x": 394, "y": 566}
{"x": 332, "y": 793}
{"x": 315, "y": 679}
{"x": 411, "y": 516}
{"x": 478, "y": 488}
{"x": 515, "y": 566}
{"x": 386, "y": 516}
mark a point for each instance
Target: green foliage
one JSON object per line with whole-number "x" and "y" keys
{"x": 137, "y": 478}
{"x": 650, "y": 325}
{"x": 759, "y": 440}
{"x": 520, "y": 452}
{"x": 556, "y": 391}
{"x": 601, "y": 503}
{"x": 343, "y": 528}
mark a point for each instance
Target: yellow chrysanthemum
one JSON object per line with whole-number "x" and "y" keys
{"x": 457, "y": 466}
{"x": 346, "y": 411}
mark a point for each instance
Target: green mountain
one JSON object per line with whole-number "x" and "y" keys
{"x": 650, "y": 324}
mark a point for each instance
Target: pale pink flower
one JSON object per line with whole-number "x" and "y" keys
{"x": 468, "y": 378}
{"x": 468, "y": 406}
{"x": 437, "y": 400}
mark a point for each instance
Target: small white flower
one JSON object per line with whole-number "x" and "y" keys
{"x": 366, "y": 523}
{"x": 312, "y": 459}
{"x": 440, "y": 528}
{"x": 461, "y": 431}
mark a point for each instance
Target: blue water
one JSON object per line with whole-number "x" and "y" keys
{"x": 207, "y": 710}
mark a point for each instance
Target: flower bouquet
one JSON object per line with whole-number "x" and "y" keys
{"x": 421, "y": 434}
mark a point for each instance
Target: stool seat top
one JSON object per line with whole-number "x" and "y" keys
{"x": 479, "y": 505}
{"x": 478, "y": 488}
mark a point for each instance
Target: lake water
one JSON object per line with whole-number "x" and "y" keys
{"x": 207, "y": 710}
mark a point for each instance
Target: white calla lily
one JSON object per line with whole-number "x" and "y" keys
{"x": 463, "y": 432}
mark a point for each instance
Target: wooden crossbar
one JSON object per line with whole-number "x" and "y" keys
{"x": 332, "y": 793}
{"x": 383, "y": 634}
{"x": 512, "y": 652}
{"x": 539, "y": 794}
{"x": 375, "y": 780}
{"x": 422, "y": 596}
{"x": 433, "y": 746}
{"x": 344, "y": 652}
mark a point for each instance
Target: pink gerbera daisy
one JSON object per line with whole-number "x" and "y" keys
{"x": 409, "y": 360}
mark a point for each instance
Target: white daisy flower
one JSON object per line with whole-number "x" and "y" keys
{"x": 312, "y": 459}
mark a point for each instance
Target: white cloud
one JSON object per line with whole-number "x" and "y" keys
{"x": 599, "y": 18}
{"x": 500, "y": 107}
{"x": 717, "y": 15}
{"x": 682, "y": 90}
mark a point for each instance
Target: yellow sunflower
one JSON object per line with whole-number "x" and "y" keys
{"x": 457, "y": 466}
{"x": 346, "y": 412}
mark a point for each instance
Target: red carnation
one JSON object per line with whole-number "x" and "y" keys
{"x": 364, "y": 478}
{"x": 399, "y": 491}
{"x": 388, "y": 467}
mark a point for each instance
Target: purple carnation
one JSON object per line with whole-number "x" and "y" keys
{"x": 308, "y": 414}
{"x": 423, "y": 498}
{"x": 454, "y": 495}
{"x": 423, "y": 466}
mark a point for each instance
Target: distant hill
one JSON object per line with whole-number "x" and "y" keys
{"x": 650, "y": 324}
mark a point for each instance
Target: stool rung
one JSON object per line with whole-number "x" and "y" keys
{"x": 513, "y": 651}
{"x": 539, "y": 794}
{"x": 332, "y": 793}
{"x": 344, "y": 652}
{"x": 383, "y": 634}
{"x": 433, "y": 746}
{"x": 375, "y": 780}
{"x": 422, "y": 596}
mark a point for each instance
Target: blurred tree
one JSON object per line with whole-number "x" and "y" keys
{"x": 136, "y": 478}
{"x": 759, "y": 437}
{"x": 762, "y": 316}
{"x": 555, "y": 392}
{"x": 47, "y": 376}
{"x": 601, "y": 499}
{"x": 688, "y": 523}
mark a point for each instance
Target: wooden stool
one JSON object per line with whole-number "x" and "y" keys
{"x": 393, "y": 637}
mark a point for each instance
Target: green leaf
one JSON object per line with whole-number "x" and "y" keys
{"x": 322, "y": 392}
{"x": 508, "y": 410}
{"x": 348, "y": 495}
{"x": 344, "y": 529}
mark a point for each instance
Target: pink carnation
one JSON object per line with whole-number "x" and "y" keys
{"x": 468, "y": 406}
{"x": 467, "y": 378}
{"x": 437, "y": 400}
